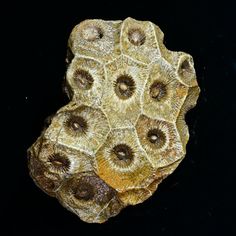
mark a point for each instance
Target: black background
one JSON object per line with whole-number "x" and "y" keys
{"x": 198, "y": 199}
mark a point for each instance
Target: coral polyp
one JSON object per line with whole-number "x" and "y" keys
{"x": 123, "y": 130}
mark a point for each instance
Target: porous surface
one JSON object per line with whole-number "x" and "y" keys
{"x": 123, "y": 130}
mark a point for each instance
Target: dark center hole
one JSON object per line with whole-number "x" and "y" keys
{"x": 92, "y": 33}
{"x": 123, "y": 153}
{"x": 158, "y": 90}
{"x": 185, "y": 68}
{"x": 124, "y": 86}
{"x": 185, "y": 65}
{"x": 77, "y": 123}
{"x": 59, "y": 162}
{"x": 136, "y": 36}
{"x": 83, "y": 79}
{"x": 157, "y": 137}
{"x": 84, "y": 191}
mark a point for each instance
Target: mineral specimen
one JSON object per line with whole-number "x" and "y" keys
{"x": 123, "y": 131}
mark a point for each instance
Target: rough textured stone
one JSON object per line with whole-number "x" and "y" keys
{"x": 123, "y": 131}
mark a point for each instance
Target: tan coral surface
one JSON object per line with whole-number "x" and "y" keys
{"x": 123, "y": 131}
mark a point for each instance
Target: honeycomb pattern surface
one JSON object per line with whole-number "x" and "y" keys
{"x": 123, "y": 130}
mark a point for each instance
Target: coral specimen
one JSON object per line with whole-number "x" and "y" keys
{"x": 123, "y": 131}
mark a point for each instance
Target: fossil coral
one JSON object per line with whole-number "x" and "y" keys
{"x": 123, "y": 131}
